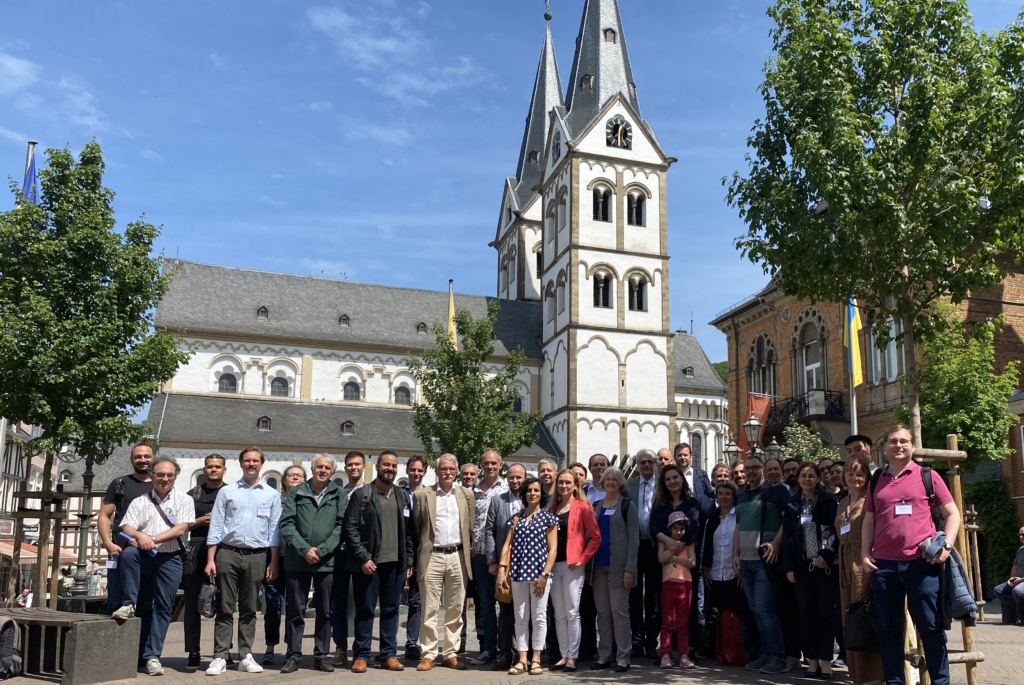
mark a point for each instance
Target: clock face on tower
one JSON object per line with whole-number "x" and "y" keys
{"x": 618, "y": 133}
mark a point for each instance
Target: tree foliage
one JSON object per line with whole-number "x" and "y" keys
{"x": 961, "y": 392}
{"x": 469, "y": 397}
{"x": 78, "y": 352}
{"x": 723, "y": 370}
{"x": 803, "y": 444}
{"x": 997, "y": 518}
{"x": 888, "y": 163}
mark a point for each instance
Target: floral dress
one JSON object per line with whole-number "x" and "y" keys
{"x": 530, "y": 545}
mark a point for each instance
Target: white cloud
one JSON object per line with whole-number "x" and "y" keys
{"x": 79, "y": 106}
{"x": 316, "y": 107}
{"x": 398, "y": 59}
{"x": 17, "y": 73}
{"x": 219, "y": 61}
{"x": 151, "y": 156}
{"x": 382, "y": 134}
{"x": 274, "y": 203}
{"x": 14, "y": 137}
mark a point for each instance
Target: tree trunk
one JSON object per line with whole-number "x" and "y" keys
{"x": 913, "y": 389}
{"x": 42, "y": 577}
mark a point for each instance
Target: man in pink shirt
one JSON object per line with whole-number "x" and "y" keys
{"x": 897, "y": 518}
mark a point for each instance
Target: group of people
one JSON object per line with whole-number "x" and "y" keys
{"x": 581, "y": 563}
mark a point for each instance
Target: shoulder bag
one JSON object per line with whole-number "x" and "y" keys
{"x": 504, "y": 594}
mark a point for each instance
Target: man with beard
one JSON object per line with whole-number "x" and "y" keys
{"x": 354, "y": 463}
{"x": 790, "y": 469}
{"x": 120, "y": 493}
{"x": 415, "y": 470}
{"x": 789, "y": 615}
{"x": 243, "y": 525}
{"x": 379, "y": 550}
{"x": 500, "y": 509}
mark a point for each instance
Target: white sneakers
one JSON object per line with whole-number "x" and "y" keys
{"x": 247, "y": 665}
{"x": 124, "y": 613}
{"x": 153, "y": 667}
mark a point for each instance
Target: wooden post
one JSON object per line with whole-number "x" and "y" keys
{"x": 961, "y": 547}
{"x": 13, "y": 581}
{"x": 55, "y": 567}
{"x": 44, "y": 532}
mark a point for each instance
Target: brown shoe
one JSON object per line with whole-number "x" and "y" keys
{"x": 359, "y": 666}
{"x": 426, "y": 664}
{"x": 392, "y": 664}
{"x": 453, "y": 662}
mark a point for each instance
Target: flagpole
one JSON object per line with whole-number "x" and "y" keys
{"x": 853, "y": 406}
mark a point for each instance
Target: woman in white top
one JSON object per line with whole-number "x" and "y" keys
{"x": 719, "y": 577}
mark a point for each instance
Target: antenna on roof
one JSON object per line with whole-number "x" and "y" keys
{"x": 691, "y": 321}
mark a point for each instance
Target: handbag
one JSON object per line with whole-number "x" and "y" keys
{"x": 773, "y": 571}
{"x": 863, "y": 627}
{"x": 209, "y": 597}
{"x": 504, "y": 594}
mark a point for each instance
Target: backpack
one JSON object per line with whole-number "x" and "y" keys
{"x": 10, "y": 648}
{"x": 929, "y": 490}
{"x": 730, "y": 640}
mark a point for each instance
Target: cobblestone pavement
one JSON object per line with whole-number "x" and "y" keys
{"x": 1002, "y": 644}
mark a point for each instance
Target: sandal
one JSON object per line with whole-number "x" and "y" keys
{"x": 536, "y": 668}
{"x": 519, "y": 668}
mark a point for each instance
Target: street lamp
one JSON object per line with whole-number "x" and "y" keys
{"x": 732, "y": 451}
{"x": 773, "y": 450}
{"x": 752, "y": 429}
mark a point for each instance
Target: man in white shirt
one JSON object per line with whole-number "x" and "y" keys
{"x": 598, "y": 464}
{"x": 444, "y": 515}
{"x": 645, "y": 597}
{"x": 151, "y": 563}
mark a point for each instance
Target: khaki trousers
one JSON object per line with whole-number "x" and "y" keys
{"x": 445, "y": 572}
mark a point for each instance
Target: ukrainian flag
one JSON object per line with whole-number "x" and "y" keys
{"x": 851, "y": 331}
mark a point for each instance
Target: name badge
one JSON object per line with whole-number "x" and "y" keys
{"x": 407, "y": 512}
{"x": 609, "y": 512}
{"x": 111, "y": 563}
{"x": 722, "y": 542}
{"x": 263, "y": 512}
{"x": 904, "y": 509}
{"x": 843, "y": 530}
{"x": 805, "y": 519}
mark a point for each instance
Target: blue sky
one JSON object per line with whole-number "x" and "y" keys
{"x": 370, "y": 139}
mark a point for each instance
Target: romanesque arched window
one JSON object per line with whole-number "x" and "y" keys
{"x": 227, "y": 383}
{"x": 807, "y": 338}
{"x": 638, "y": 294}
{"x": 761, "y": 365}
{"x": 352, "y": 391}
{"x": 602, "y": 203}
{"x": 402, "y": 395}
{"x": 279, "y": 387}
{"x": 602, "y": 290}
{"x": 635, "y": 209}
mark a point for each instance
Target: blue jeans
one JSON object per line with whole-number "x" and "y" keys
{"x": 154, "y": 598}
{"x": 273, "y": 596}
{"x": 1011, "y": 597}
{"x": 761, "y": 596}
{"x": 918, "y": 582}
{"x": 412, "y": 619}
{"x": 114, "y": 591}
{"x": 339, "y": 604}
{"x": 485, "y": 595}
{"x": 385, "y": 584}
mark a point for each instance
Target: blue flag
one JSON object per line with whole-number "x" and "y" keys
{"x": 29, "y": 188}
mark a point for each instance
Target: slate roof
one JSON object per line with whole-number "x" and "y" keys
{"x": 233, "y": 421}
{"x": 607, "y": 62}
{"x": 217, "y": 299}
{"x": 687, "y": 352}
{"x": 547, "y": 94}
{"x": 117, "y": 464}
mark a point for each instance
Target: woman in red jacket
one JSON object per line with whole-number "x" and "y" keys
{"x": 578, "y": 540}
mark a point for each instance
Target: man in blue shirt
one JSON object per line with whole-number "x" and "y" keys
{"x": 243, "y": 525}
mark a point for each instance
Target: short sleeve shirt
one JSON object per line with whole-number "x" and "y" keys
{"x": 530, "y": 546}
{"x": 897, "y": 536}
{"x": 120, "y": 493}
{"x": 203, "y": 505}
{"x": 748, "y": 516}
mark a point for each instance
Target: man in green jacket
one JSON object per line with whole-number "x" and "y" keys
{"x": 311, "y": 521}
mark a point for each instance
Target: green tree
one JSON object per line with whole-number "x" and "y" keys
{"x": 469, "y": 397}
{"x": 887, "y": 166}
{"x": 801, "y": 443}
{"x": 723, "y": 370}
{"x": 997, "y": 518}
{"x": 960, "y": 390}
{"x": 78, "y": 352}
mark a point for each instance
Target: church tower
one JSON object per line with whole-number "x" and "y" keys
{"x": 518, "y": 237}
{"x": 607, "y": 380}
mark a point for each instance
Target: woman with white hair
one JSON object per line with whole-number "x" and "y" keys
{"x": 613, "y": 569}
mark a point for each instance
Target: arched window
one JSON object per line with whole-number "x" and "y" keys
{"x": 609, "y": 35}
{"x": 511, "y": 277}
{"x": 638, "y": 294}
{"x": 761, "y": 361}
{"x": 271, "y": 482}
{"x": 263, "y": 423}
{"x": 227, "y": 383}
{"x": 279, "y": 387}
{"x": 635, "y": 214}
{"x": 534, "y": 156}
{"x": 549, "y": 303}
{"x": 810, "y": 358}
{"x": 561, "y": 212}
{"x": 344, "y": 320}
{"x": 602, "y": 203}
{"x": 421, "y": 328}
{"x": 540, "y": 264}
{"x": 602, "y": 290}
{"x": 348, "y": 428}
{"x": 560, "y": 296}
{"x": 697, "y": 449}
{"x": 262, "y": 313}
{"x": 517, "y": 406}
{"x": 402, "y": 395}
{"x": 587, "y": 82}
{"x": 352, "y": 391}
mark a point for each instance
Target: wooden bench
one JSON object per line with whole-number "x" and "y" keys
{"x": 79, "y": 648}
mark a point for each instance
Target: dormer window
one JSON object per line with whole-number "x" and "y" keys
{"x": 348, "y": 428}
{"x": 421, "y": 328}
{"x": 587, "y": 82}
{"x": 263, "y": 423}
{"x": 262, "y": 313}
{"x": 534, "y": 156}
{"x": 609, "y": 35}
{"x": 344, "y": 320}
{"x": 632, "y": 90}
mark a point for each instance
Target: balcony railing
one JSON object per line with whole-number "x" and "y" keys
{"x": 827, "y": 403}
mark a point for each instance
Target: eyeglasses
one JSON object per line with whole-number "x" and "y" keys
{"x": 164, "y": 476}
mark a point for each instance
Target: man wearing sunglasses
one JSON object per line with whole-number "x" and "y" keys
{"x": 1011, "y": 593}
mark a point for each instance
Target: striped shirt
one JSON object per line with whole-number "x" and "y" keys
{"x": 142, "y": 515}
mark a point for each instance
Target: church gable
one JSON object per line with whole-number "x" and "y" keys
{"x": 618, "y": 132}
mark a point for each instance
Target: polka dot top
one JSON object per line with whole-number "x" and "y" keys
{"x": 530, "y": 546}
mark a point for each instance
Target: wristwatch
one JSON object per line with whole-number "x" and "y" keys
{"x": 948, "y": 546}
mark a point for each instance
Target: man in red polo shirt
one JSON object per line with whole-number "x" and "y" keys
{"x": 897, "y": 518}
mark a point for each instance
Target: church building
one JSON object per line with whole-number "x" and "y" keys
{"x": 299, "y": 365}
